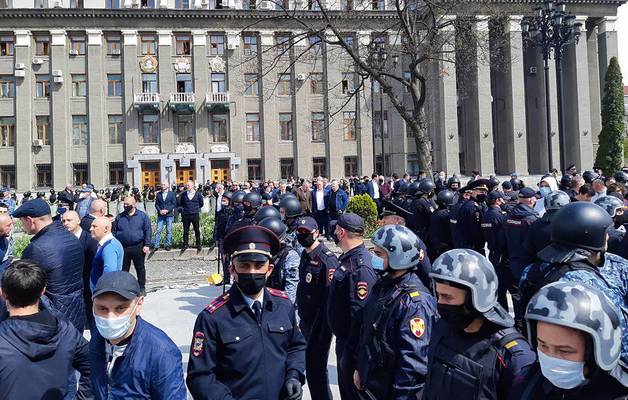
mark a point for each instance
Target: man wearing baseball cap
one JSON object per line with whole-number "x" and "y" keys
{"x": 130, "y": 358}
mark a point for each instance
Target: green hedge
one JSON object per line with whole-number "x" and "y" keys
{"x": 20, "y": 244}
{"x": 365, "y": 207}
{"x": 207, "y": 232}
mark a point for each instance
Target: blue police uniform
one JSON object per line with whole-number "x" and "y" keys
{"x": 515, "y": 231}
{"x": 439, "y": 236}
{"x": 539, "y": 235}
{"x": 422, "y": 208}
{"x": 492, "y": 222}
{"x": 469, "y": 226}
{"x": 456, "y": 237}
{"x": 392, "y": 338}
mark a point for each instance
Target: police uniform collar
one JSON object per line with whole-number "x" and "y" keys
{"x": 316, "y": 252}
{"x": 237, "y": 301}
{"x": 354, "y": 250}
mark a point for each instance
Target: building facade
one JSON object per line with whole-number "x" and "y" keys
{"x": 144, "y": 91}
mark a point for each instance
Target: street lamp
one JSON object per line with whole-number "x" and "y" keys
{"x": 551, "y": 29}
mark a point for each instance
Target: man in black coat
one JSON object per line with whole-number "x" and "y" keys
{"x": 191, "y": 204}
{"x": 97, "y": 209}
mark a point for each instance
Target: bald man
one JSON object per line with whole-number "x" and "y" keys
{"x": 6, "y": 241}
{"x": 110, "y": 253}
{"x": 97, "y": 209}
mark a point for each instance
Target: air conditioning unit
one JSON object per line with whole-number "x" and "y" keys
{"x": 301, "y": 77}
{"x": 19, "y": 73}
{"x": 38, "y": 61}
{"x": 57, "y": 72}
{"x": 20, "y": 66}
{"x": 38, "y": 142}
{"x": 57, "y": 4}
{"x": 74, "y": 52}
{"x": 232, "y": 46}
{"x": 58, "y": 79}
{"x": 115, "y": 52}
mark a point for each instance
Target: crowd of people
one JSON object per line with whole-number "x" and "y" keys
{"x": 487, "y": 290}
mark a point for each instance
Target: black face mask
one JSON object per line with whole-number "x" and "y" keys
{"x": 251, "y": 284}
{"x": 458, "y": 316}
{"x": 335, "y": 237}
{"x": 128, "y": 208}
{"x": 481, "y": 198}
{"x": 306, "y": 239}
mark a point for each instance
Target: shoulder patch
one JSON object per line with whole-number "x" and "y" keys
{"x": 329, "y": 253}
{"x": 417, "y": 327}
{"x": 277, "y": 293}
{"x": 511, "y": 344}
{"x": 363, "y": 290}
{"x": 217, "y": 303}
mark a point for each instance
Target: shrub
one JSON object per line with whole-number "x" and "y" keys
{"x": 207, "y": 231}
{"x": 366, "y": 208}
{"x": 19, "y": 244}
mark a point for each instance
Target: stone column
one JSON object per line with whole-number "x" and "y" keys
{"x": 237, "y": 109}
{"x": 303, "y": 147}
{"x": 269, "y": 130}
{"x": 594, "y": 82}
{"x": 577, "y": 144}
{"x": 166, "y": 86}
{"x": 200, "y": 73}
{"x": 60, "y": 110}
{"x": 97, "y": 111}
{"x": 24, "y": 169}
{"x": 607, "y": 46}
{"x": 132, "y": 84}
{"x": 364, "y": 127}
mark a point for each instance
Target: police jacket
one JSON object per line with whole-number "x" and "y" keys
{"x": 488, "y": 364}
{"x": 515, "y": 231}
{"x": 439, "y": 236}
{"x": 61, "y": 255}
{"x": 422, "y": 208}
{"x": 469, "y": 226}
{"x": 392, "y": 337}
{"x": 220, "y": 227}
{"x": 454, "y": 212}
{"x": 539, "y": 235}
{"x": 349, "y": 290}
{"x": 37, "y": 352}
{"x": 492, "y": 222}
{"x": 149, "y": 368}
{"x": 234, "y": 357}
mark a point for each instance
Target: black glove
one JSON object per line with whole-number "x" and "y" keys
{"x": 293, "y": 389}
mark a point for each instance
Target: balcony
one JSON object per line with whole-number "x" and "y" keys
{"x": 217, "y": 102}
{"x": 182, "y": 103}
{"x": 146, "y": 102}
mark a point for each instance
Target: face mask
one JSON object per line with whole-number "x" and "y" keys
{"x": 113, "y": 328}
{"x": 335, "y": 237}
{"x": 481, "y": 198}
{"x": 306, "y": 239}
{"x": 456, "y": 315}
{"x": 564, "y": 374}
{"x": 128, "y": 208}
{"x": 545, "y": 191}
{"x": 378, "y": 263}
{"x": 61, "y": 210}
{"x": 251, "y": 284}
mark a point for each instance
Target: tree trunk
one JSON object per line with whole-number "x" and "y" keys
{"x": 422, "y": 141}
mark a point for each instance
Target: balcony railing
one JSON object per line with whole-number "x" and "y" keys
{"x": 146, "y": 102}
{"x": 182, "y": 98}
{"x": 217, "y": 102}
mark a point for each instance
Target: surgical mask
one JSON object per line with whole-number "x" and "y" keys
{"x": 564, "y": 374}
{"x": 251, "y": 284}
{"x": 306, "y": 239}
{"x": 458, "y": 316}
{"x": 481, "y": 198}
{"x": 61, "y": 210}
{"x": 377, "y": 262}
{"x": 544, "y": 190}
{"x": 128, "y": 208}
{"x": 114, "y": 328}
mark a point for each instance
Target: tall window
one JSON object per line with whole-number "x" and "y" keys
{"x": 116, "y": 173}
{"x": 283, "y": 46}
{"x": 348, "y": 83}
{"x": 147, "y": 3}
{"x": 113, "y": 44}
{"x": 286, "y": 167}
{"x": 112, "y": 4}
{"x": 114, "y": 85}
{"x": 184, "y": 83}
{"x": 252, "y": 127}
{"x": 7, "y": 131}
{"x": 216, "y": 45}
{"x": 351, "y": 166}
{"x": 7, "y": 86}
{"x": 116, "y": 129}
{"x": 412, "y": 164}
{"x": 183, "y": 45}
{"x": 42, "y": 45}
{"x": 42, "y": 85}
{"x": 44, "y": 175}
{"x": 377, "y": 4}
{"x": 149, "y": 44}
{"x": 80, "y": 130}
{"x": 149, "y": 83}
{"x": 182, "y": 4}
{"x": 150, "y": 129}
{"x": 79, "y": 172}
{"x": 7, "y": 45}
{"x": 250, "y": 45}
{"x": 284, "y": 86}
{"x": 7, "y": 175}
{"x": 254, "y": 168}
{"x": 315, "y": 45}
{"x": 377, "y": 124}
{"x": 318, "y": 127}
{"x": 285, "y": 126}
{"x": 79, "y": 85}
{"x": 218, "y": 128}
{"x": 42, "y": 123}
{"x": 215, "y": 5}
{"x": 348, "y": 125}
{"x": 250, "y": 85}
{"x": 77, "y": 45}
{"x": 407, "y": 76}
{"x": 218, "y": 82}
{"x": 319, "y": 166}
{"x": 316, "y": 83}
{"x": 185, "y": 129}
{"x": 249, "y": 4}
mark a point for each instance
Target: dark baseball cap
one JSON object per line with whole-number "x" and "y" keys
{"x": 494, "y": 195}
{"x": 32, "y": 208}
{"x": 307, "y": 224}
{"x": 351, "y": 222}
{"x": 527, "y": 193}
{"x": 118, "y": 282}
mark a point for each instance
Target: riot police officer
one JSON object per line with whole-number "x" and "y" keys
{"x": 464, "y": 194}
{"x": 238, "y": 210}
{"x": 349, "y": 289}
{"x": 615, "y": 209}
{"x": 474, "y": 352}
{"x": 453, "y": 183}
{"x": 492, "y": 222}
{"x": 439, "y": 236}
{"x": 290, "y": 210}
{"x": 246, "y": 343}
{"x": 266, "y": 212}
{"x": 220, "y": 230}
{"x": 251, "y": 202}
{"x": 423, "y": 207}
{"x": 388, "y": 347}
{"x": 469, "y": 217}
{"x": 578, "y": 334}
{"x": 317, "y": 266}
{"x": 538, "y": 236}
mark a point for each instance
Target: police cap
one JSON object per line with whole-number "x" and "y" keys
{"x": 351, "y": 222}
{"x": 307, "y": 224}
{"x": 32, "y": 208}
{"x": 479, "y": 184}
{"x": 251, "y": 243}
{"x": 494, "y": 195}
{"x": 526, "y": 193}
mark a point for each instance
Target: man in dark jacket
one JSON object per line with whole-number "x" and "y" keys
{"x": 191, "y": 204}
{"x": 97, "y": 209}
{"x": 61, "y": 255}
{"x": 38, "y": 351}
{"x": 133, "y": 360}
{"x": 165, "y": 203}
{"x": 66, "y": 196}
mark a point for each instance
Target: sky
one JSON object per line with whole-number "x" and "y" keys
{"x": 622, "y": 33}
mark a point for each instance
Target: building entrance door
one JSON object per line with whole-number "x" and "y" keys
{"x": 186, "y": 173}
{"x": 150, "y": 173}
{"x": 220, "y": 170}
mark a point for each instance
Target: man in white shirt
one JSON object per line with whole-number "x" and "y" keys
{"x": 319, "y": 208}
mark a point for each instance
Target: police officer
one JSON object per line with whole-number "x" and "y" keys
{"x": 409, "y": 202}
{"x": 246, "y": 343}
{"x": 389, "y": 352}
{"x": 251, "y": 202}
{"x": 220, "y": 230}
{"x": 474, "y": 351}
{"x": 615, "y": 209}
{"x": 578, "y": 334}
{"x": 238, "y": 210}
{"x": 464, "y": 194}
{"x": 470, "y": 216}
{"x": 578, "y": 254}
{"x": 349, "y": 289}
{"x": 317, "y": 266}
{"x": 439, "y": 236}
{"x": 538, "y": 236}
{"x": 290, "y": 210}
{"x": 266, "y": 212}
{"x": 492, "y": 222}
{"x": 423, "y": 207}
{"x": 453, "y": 183}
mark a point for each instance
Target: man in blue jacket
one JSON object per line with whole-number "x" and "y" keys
{"x": 191, "y": 204}
{"x": 165, "y": 203}
{"x": 337, "y": 201}
{"x": 130, "y": 358}
{"x": 37, "y": 349}
{"x": 132, "y": 228}
{"x": 109, "y": 254}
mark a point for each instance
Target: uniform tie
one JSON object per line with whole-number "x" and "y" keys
{"x": 257, "y": 309}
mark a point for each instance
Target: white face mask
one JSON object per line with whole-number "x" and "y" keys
{"x": 114, "y": 328}
{"x": 564, "y": 374}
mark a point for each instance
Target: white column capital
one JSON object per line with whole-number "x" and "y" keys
{"x": 607, "y": 24}
{"x": 481, "y": 23}
{"x": 199, "y": 37}
{"x": 514, "y": 23}
{"x": 364, "y": 38}
{"x": 94, "y": 37}
{"x": 165, "y": 37}
{"x": 22, "y": 38}
{"x": 267, "y": 37}
{"x": 583, "y": 20}
{"x": 57, "y": 37}
{"x": 130, "y": 37}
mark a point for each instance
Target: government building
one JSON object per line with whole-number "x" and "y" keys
{"x": 144, "y": 91}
